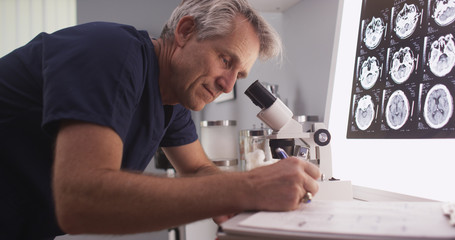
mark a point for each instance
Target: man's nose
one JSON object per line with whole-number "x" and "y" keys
{"x": 228, "y": 80}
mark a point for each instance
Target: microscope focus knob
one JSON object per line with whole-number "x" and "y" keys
{"x": 322, "y": 137}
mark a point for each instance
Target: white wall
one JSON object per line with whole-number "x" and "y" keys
{"x": 143, "y": 14}
{"x": 308, "y": 36}
{"x": 22, "y": 20}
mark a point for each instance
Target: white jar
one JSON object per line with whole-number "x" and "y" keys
{"x": 254, "y": 148}
{"x": 220, "y": 143}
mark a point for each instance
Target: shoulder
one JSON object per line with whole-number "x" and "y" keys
{"x": 99, "y": 28}
{"x": 99, "y": 41}
{"x": 101, "y": 31}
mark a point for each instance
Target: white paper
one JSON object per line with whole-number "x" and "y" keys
{"x": 399, "y": 219}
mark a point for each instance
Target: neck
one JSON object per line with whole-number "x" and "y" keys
{"x": 164, "y": 50}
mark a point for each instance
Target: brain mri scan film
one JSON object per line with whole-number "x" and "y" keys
{"x": 444, "y": 12}
{"x": 374, "y": 32}
{"x": 441, "y": 58}
{"x": 438, "y": 106}
{"x": 402, "y": 65}
{"x": 369, "y": 72}
{"x": 406, "y": 21}
{"x": 403, "y": 76}
{"x": 397, "y": 110}
{"x": 364, "y": 113}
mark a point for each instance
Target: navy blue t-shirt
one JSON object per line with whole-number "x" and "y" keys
{"x": 103, "y": 73}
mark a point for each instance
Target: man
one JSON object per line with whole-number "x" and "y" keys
{"x": 83, "y": 110}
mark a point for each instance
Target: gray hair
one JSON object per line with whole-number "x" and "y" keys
{"x": 214, "y": 18}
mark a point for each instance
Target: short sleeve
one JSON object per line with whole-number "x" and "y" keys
{"x": 181, "y": 130}
{"x": 94, "y": 73}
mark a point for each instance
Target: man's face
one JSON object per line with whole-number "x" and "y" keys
{"x": 202, "y": 70}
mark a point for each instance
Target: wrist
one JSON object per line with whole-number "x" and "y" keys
{"x": 245, "y": 190}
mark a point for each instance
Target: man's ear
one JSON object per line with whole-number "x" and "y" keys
{"x": 186, "y": 28}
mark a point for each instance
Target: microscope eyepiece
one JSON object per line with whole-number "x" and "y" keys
{"x": 260, "y": 96}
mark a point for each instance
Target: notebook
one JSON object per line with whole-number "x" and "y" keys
{"x": 345, "y": 220}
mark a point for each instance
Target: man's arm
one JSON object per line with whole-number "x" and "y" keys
{"x": 92, "y": 194}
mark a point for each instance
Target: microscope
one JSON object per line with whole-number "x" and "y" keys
{"x": 288, "y": 134}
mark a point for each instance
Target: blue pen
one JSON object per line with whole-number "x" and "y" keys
{"x": 282, "y": 155}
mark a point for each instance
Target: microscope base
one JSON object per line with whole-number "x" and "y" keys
{"x": 334, "y": 190}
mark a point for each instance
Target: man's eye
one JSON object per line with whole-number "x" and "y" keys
{"x": 225, "y": 61}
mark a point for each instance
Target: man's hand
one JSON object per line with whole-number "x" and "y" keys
{"x": 223, "y": 218}
{"x": 281, "y": 186}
